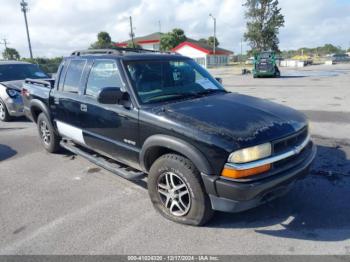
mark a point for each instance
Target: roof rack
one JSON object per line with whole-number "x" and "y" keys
{"x": 115, "y": 50}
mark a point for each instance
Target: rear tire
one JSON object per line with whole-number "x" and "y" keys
{"x": 278, "y": 72}
{"x": 177, "y": 192}
{"x": 48, "y": 138}
{"x": 4, "y": 114}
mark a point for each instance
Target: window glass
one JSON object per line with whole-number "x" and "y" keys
{"x": 156, "y": 81}
{"x": 104, "y": 73}
{"x": 9, "y": 72}
{"x": 61, "y": 76}
{"x": 73, "y": 75}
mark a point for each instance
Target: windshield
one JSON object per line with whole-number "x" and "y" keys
{"x": 159, "y": 81}
{"x": 265, "y": 55}
{"x": 11, "y": 72}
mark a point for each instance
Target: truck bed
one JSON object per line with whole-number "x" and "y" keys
{"x": 38, "y": 89}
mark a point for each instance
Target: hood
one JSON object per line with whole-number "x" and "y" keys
{"x": 15, "y": 84}
{"x": 236, "y": 118}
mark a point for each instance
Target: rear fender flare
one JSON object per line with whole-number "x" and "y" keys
{"x": 37, "y": 104}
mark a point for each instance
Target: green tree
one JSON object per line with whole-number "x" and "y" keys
{"x": 10, "y": 54}
{"x": 103, "y": 41}
{"x": 331, "y": 49}
{"x": 203, "y": 40}
{"x": 135, "y": 45}
{"x": 211, "y": 41}
{"x": 264, "y": 19}
{"x": 49, "y": 65}
{"x": 319, "y": 51}
{"x": 171, "y": 39}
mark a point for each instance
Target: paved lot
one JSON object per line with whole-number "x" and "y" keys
{"x": 62, "y": 204}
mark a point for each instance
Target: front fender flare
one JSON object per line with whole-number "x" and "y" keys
{"x": 177, "y": 145}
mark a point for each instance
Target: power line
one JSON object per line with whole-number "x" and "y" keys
{"x": 24, "y": 9}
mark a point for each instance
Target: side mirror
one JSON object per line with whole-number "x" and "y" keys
{"x": 110, "y": 95}
{"x": 219, "y": 79}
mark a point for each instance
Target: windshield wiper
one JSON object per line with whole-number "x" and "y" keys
{"x": 169, "y": 97}
{"x": 210, "y": 91}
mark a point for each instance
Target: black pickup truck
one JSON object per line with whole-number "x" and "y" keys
{"x": 161, "y": 115}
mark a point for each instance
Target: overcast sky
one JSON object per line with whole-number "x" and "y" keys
{"x": 59, "y": 26}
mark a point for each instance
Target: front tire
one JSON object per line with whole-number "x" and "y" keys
{"x": 177, "y": 192}
{"x": 4, "y": 114}
{"x": 48, "y": 138}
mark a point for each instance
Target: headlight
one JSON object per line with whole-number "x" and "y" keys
{"x": 12, "y": 93}
{"x": 250, "y": 154}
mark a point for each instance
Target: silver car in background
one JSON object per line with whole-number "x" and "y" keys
{"x": 12, "y": 76}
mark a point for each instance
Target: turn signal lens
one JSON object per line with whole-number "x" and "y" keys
{"x": 232, "y": 173}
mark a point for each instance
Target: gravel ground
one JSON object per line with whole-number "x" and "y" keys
{"x": 62, "y": 204}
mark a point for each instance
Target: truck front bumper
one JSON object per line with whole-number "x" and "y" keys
{"x": 231, "y": 196}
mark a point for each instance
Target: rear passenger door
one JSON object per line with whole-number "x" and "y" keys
{"x": 111, "y": 129}
{"x": 66, "y": 100}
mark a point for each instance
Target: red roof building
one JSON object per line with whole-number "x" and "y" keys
{"x": 150, "y": 42}
{"x": 201, "y": 52}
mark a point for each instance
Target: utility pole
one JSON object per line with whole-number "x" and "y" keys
{"x": 160, "y": 26}
{"x": 214, "y": 47}
{"x": 4, "y": 42}
{"x": 132, "y": 33}
{"x": 241, "y": 51}
{"x": 24, "y": 8}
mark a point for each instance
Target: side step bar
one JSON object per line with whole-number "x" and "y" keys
{"x": 114, "y": 167}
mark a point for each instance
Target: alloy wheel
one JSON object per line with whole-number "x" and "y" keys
{"x": 174, "y": 194}
{"x": 2, "y": 111}
{"x": 45, "y": 133}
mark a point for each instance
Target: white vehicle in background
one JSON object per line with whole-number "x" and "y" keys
{"x": 12, "y": 76}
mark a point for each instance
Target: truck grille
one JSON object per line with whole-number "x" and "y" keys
{"x": 293, "y": 160}
{"x": 289, "y": 142}
{"x": 265, "y": 67}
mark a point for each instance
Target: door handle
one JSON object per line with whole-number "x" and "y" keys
{"x": 83, "y": 107}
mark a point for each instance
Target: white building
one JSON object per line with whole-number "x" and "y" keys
{"x": 203, "y": 54}
{"x": 150, "y": 42}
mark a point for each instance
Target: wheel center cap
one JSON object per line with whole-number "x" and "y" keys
{"x": 172, "y": 194}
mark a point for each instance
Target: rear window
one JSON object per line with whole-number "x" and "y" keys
{"x": 12, "y": 72}
{"x": 73, "y": 76}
